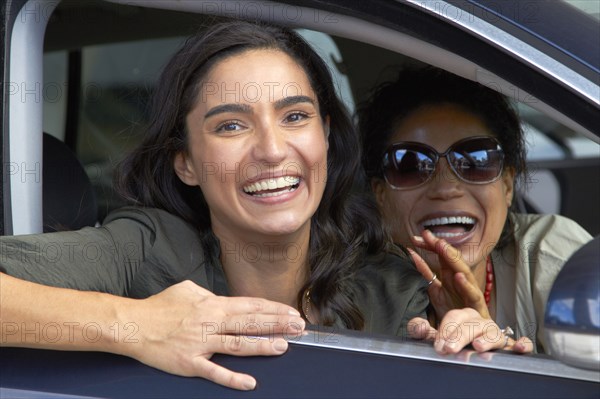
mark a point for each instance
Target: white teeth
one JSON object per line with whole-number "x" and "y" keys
{"x": 272, "y": 184}
{"x": 447, "y": 235}
{"x": 449, "y": 220}
{"x": 263, "y": 195}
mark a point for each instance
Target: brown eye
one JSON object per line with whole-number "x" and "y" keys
{"x": 229, "y": 126}
{"x": 296, "y": 117}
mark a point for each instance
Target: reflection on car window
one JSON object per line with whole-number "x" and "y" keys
{"x": 540, "y": 147}
{"x": 549, "y": 140}
{"x": 117, "y": 80}
{"x": 328, "y": 50}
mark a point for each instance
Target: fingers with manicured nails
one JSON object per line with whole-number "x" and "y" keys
{"x": 456, "y": 276}
{"x": 460, "y": 327}
{"x": 422, "y": 266}
{"x": 222, "y": 376}
{"x": 182, "y": 327}
{"x": 439, "y": 245}
{"x": 490, "y": 337}
{"x": 450, "y": 258}
{"x": 471, "y": 295}
{"x": 428, "y": 241}
{"x": 240, "y": 315}
{"x": 237, "y": 305}
{"x": 448, "y": 338}
{"x": 446, "y": 252}
{"x": 243, "y": 345}
{"x": 435, "y": 285}
{"x": 419, "y": 328}
{"x": 246, "y": 305}
{"x": 258, "y": 324}
{"x": 522, "y": 345}
{"x": 436, "y": 295}
{"x": 439, "y": 296}
{"x": 289, "y": 324}
{"x": 259, "y": 316}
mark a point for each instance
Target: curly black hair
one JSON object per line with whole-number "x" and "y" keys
{"x": 391, "y": 102}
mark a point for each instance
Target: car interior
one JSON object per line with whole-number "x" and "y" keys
{"x": 69, "y": 198}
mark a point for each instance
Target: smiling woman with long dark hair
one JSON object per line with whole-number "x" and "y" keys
{"x": 241, "y": 221}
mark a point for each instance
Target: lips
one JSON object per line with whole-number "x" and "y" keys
{"x": 272, "y": 187}
{"x": 450, "y": 227}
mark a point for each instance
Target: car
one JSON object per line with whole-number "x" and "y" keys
{"x": 77, "y": 79}
{"x": 323, "y": 363}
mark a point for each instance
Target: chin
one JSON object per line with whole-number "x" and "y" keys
{"x": 279, "y": 228}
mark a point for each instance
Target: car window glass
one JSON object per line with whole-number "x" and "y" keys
{"x": 590, "y": 7}
{"x": 328, "y": 50}
{"x": 540, "y": 146}
{"x": 55, "y": 93}
{"x": 117, "y": 80}
{"x": 550, "y": 140}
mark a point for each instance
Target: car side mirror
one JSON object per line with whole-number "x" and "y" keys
{"x": 572, "y": 319}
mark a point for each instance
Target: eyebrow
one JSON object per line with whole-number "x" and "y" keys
{"x": 287, "y": 101}
{"x": 220, "y": 109}
{"x": 246, "y": 109}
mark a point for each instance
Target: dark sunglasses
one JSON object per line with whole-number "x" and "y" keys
{"x": 475, "y": 160}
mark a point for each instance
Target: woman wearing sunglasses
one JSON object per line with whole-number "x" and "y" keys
{"x": 443, "y": 155}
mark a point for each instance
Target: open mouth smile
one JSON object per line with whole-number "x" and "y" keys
{"x": 451, "y": 226}
{"x": 272, "y": 187}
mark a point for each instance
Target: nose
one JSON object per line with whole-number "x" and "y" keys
{"x": 444, "y": 184}
{"x": 270, "y": 145}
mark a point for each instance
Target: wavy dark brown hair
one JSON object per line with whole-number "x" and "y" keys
{"x": 345, "y": 227}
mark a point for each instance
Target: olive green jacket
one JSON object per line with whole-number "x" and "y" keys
{"x": 139, "y": 252}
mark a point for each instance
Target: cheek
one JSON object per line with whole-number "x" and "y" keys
{"x": 401, "y": 202}
{"x": 213, "y": 169}
{"x": 313, "y": 152}
{"x": 319, "y": 144}
{"x": 496, "y": 209}
{"x": 396, "y": 210}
